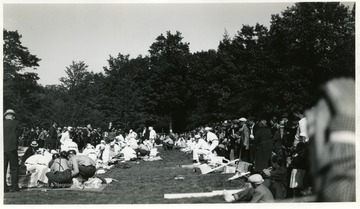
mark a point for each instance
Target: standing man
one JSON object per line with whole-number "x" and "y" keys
{"x": 52, "y": 138}
{"x": 301, "y": 134}
{"x": 12, "y": 131}
{"x": 152, "y": 135}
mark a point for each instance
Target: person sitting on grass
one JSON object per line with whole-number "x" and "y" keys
{"x": 168, "y": 143}
{"x": 37, "y": 165}
{"x": 258, "y": 193}
{"x": 82, "y": 167}
{"x": 30, "y": 151}
{"x": 277, "y": 178}
{"x": 201, "y": 148}
{"x": 128, "y": 153}
{"x": 60, "y": 173}
{"x": 143, "y": 149}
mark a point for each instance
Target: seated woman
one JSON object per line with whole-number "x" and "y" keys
{"x": 60, "y": 173}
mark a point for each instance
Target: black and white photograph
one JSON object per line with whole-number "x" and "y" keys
{"x": 141, "y": 103}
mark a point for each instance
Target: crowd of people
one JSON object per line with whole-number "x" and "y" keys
{"x": 277, "y": 149}
{"x": 65, "y": 157}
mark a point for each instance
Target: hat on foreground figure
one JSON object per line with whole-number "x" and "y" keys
{"x": 9, "y": 111}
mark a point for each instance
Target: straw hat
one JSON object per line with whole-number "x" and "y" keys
{"x": 9, "y": 111}
{"x": 34, "y": 144}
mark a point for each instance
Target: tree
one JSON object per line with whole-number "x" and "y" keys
{"x": 20, "y": 88}
{"x": 166, "y": 77}
{"x": 78, "y": 98}
{"x": 124, "y": 102}
{"x": 312, "y": 42}
{"x": 16, "y": 57}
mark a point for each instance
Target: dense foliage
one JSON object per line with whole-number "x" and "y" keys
{"x": 259, "y": 72}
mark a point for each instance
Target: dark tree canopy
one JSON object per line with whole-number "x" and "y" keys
{"x": 259, "y": 72}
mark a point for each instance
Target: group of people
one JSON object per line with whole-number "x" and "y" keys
{"x": 62, "y": 161}
{"x": 278, "y": 150}
{"x": 40, "y": 163}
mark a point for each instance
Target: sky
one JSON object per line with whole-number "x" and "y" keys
{"x": 61, "y": 33}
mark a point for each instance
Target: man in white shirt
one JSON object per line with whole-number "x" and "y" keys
{"x": 152, "y": 135}
{"x": 201, "y": 148}
{"x": 211, "y": 138}
{"x": 301, "y": 133}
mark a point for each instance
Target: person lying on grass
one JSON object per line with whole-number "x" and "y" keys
{"x": 258, "y": 193}
{"x": 82, "y": 167}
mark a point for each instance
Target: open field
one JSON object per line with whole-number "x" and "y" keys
{"x": 143, "y": 183}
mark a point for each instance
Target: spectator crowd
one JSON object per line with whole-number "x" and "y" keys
{"x": 278, "y": 150}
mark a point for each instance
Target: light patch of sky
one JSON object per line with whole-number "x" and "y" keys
{"x": 61, "y": 33}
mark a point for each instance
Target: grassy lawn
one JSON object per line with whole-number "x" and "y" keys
{"x": 143, "y": 183}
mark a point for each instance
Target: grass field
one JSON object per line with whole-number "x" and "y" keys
{"x": 144, "y": 183}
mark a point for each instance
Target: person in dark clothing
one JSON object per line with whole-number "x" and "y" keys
{"x": 168, "y": 143}
{"x": 298, "y": 168}
{"x": 277, "y": 177}
{"x": 263, "y": 145}
{"x": 12, "y": 130}
{"x": 30, "y": 151}
{"x": 279, "y": 141}
{"x": 51, "y": 140}
{"x": 257, "y": 193}
{"x": 96, "y": 137}
{"x": 60, "y": 173}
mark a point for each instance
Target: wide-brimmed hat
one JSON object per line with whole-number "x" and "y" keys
{"x": 207, "y": 128}
{"x": 9, "y": 111}
{"x": 34, "y": 144}
{"x": 256, "y": 179}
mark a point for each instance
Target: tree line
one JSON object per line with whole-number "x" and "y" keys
{"x": 258, "y": 72}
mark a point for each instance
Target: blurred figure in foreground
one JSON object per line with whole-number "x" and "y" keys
{"x": 331, "y": 128}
